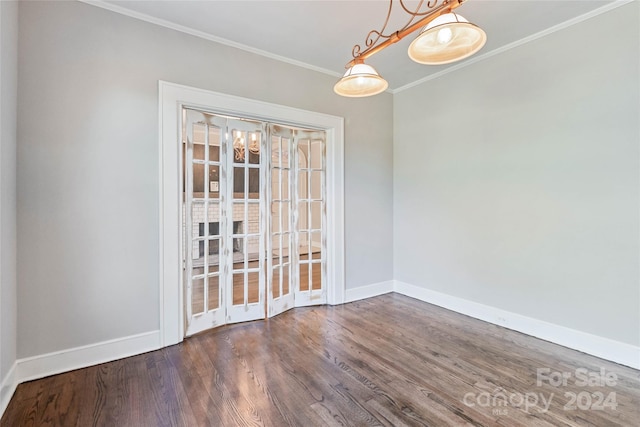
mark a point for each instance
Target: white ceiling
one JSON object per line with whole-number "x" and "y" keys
{"x": 321, "y": 33}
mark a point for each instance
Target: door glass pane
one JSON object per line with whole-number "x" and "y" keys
{"x": 197, "y": 296}
{"x": 316, "y": 215}
{"x": 303, "y": 185}
{"x": 304, "y": 276}
{"x": 238, "y": 218}
{"x": 275, "y": 282}
{"x": 275, "y": 184}
{"x": 275, "y": 217}
{"x": 285, "y": 279}
{"x": 238, "y": 182}
{"x": 303, "y": 242}
{"x": 254, "y": 218}
{"x": 197, "y": 224}
{"x": 253, "y": 285}
{"x": 316, "y": 244}
{"x": 303, "y": 146}
{"x": 214, "y": 292}
{"x": 238, "y": 288}
{"x": 198, "y": 151}
{"x": 198, "y": 181}
{"x": 284, "y": 154}
{"x": 316, "y": 185}
{"x": 198, "y": 141}
{"x": 213, "y": 228}
{"x": 275, "y": 152}
{"x": 253, "y": 249}
{"x": 214, "y": 144}
{"x": 315, "y": 155}
{"x": 214, "y": 182}
{"x": 213, "y": 220}
{"x": 275, "y": 245}
{"x": 254, "y": 182}
{"x": 238, "y": 253}
{"x": 254, "y": 148}
{"x": 239, "y": 146}
{"x": 285, "y": 216}
{"x": 285, "y": 184}
{"x": 316, "y": 275}
{"x": 303, "y": 215}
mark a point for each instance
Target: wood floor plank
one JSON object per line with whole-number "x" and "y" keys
{"x": 384, "y": 361}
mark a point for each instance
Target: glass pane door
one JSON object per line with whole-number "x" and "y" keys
{"x": 246, "y": 146}
{"x": 254, "y": 219}
{"x": 279, "y": 261}
{"x": 202, "y": 212}
{"x": 223, "y": 211}
{"x": 310, "y": 224}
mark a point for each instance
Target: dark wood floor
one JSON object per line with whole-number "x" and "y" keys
{"x": 389, "y": 360}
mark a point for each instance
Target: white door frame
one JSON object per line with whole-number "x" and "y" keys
{"x": 172, "y": 97}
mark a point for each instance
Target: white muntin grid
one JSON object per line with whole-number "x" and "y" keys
{"x": 252, "y": 227}
{"x": 286, "y": 219}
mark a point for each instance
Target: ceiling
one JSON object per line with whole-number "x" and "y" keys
{"x": 321, "y": 33}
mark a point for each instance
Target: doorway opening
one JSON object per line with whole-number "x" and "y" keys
{"x": 253, "y": 218}
{"x": 172, "y": 99}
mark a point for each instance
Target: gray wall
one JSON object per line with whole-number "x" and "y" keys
{"x": 516, "y": 179}
{"x": 8, "y": 99}
{"x": 88, "y": 165}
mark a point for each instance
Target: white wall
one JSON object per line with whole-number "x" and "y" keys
{"x": 8, "y": 99}
{"x": 88, "y": 165}
{"x": 516, "y": 179}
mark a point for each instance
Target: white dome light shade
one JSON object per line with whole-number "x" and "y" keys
{"x": 360, "y": 80}
{"x": 448, "y": 38}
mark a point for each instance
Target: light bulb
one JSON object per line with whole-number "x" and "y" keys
{"x": 445, "y": 35}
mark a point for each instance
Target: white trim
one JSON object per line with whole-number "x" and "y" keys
{"x": 43, "y": 365}
{"x": 204, "y": 35}
{"x": 476, "y": 58}
{"x": 8, "y": 387}
{"x": 171, "y": 98}
{"x": 369, "y": 291}
{"x": 605, "y": 348}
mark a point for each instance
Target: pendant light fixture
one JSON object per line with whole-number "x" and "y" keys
{"x": 360, "y": 80}
{"x": 448, "y": 38}
{"x": 445, "y": 37}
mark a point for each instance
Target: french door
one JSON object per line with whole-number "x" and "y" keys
{"x": 298, "y": 218}
{"x": 253, "y": 219}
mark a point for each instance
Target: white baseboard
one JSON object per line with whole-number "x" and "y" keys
{"x": 369, "y": 291}
{"x": 80, "y": 357}
{"x": 43, "y": 365}
{"x": 605, "y": 348}
{"x": 8, "y": 387}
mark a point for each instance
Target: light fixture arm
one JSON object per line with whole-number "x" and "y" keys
{"x": 435, "y": 9}
{"x": 445, "y": 37}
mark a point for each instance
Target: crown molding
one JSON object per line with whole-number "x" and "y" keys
{"x": 203, "y": 35}
{"x": 477, "y": 58}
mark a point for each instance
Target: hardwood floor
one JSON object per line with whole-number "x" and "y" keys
{"x": 389, "y": 360}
